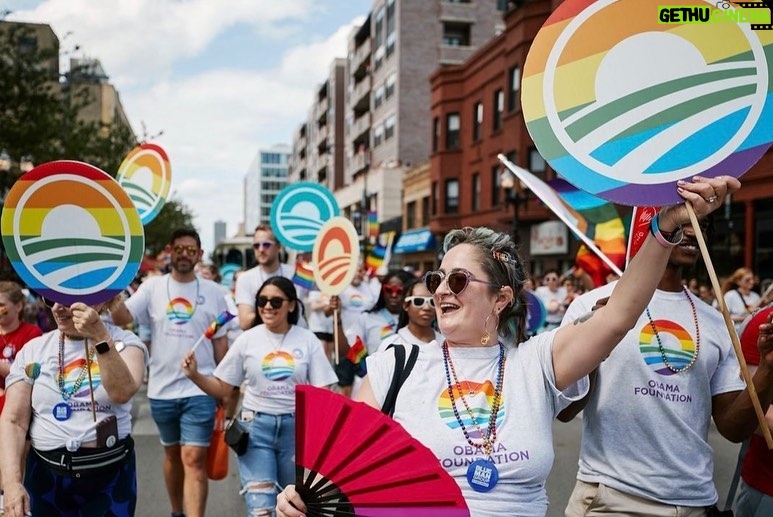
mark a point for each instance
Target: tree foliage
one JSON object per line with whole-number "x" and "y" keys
{"x": 172, "y": 216}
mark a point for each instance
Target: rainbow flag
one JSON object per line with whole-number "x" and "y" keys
{"x": 218, "y": 323}
{"x": 304, "y": 275}
{"x": 380, "y": 254}
{"x": 373, "y": 224}
{"x": 604, "y": 227}
{"x": 357, "y": 354}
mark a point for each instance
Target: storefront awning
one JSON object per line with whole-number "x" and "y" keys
{"x": 413, "y": 241}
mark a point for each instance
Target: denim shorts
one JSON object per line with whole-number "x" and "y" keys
{"x": 185, "y": 421}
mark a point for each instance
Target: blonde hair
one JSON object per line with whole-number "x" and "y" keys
{"x": 734, "y": 280}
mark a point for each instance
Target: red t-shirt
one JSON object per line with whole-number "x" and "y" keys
{"x": 11, "y": 343}
{"x": 757, "y": 471}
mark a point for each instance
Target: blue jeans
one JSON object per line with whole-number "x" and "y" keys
{"x": 750, "y": 502}
{"x": 185, "y": 421}
{"x": 269, "y": 460}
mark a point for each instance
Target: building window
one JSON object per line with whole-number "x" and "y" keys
{"x": 379, "y": 29}
{"x": 537, "y": 163}
{"x": 378, "y": 57}
{"x": 390, "y": 28}
{"x": 475, "y": 192}
{"x": 452, "y": 196}
{"x": 496, "y": 170}
{"x": 499, "y": 108}
{"x": 389, "y": 127}
{"x": 390, "y": 85}
{"x": 456, "y": 34}
{"x": 378, "y": 135}
{"x": 514, "y": 87}
{"x": 378, "y": 97}
{"x": 410, "y": 215}
{"x": 425, "y": 211}
{"x": 434, "y": 197}
{"x": 435, "y": 134}
{"x": 453, "y": 123}
{"x": 477, "y": 120}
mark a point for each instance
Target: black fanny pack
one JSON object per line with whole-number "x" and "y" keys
{"x": 86, "y": 461}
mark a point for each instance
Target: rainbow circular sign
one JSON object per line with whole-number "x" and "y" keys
{"x": 335, "y": 256}
{"x": 72, "y": 233}
{"x": 623, "y": 105}
{"x": 298, "y": 213}
{"x": 145, "y": 174}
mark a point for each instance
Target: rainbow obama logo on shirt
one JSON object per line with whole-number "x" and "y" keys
{"x": 279, "y": 365}
{"x": 670, "y": 341}
{"x": 179, "y": 311}
{"x": 480, "y": 399}
{"x": 74, "y": 371}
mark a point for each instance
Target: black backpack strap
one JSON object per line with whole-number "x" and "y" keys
{"x": 399, "y": 376}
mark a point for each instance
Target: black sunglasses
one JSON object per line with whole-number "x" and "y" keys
{"x": 50, "y": 303}
{"x": 265, "y": 245}
{"x": 457, "y": 280}
{"x": 275, "y": 301}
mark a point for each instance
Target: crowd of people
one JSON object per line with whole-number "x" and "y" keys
{"x": 607, "y": 352}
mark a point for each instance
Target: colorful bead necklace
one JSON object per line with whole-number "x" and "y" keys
{"x": 67, "y": 395}
{"x": 490, "y": 436}
{"x": 697, "y": 338}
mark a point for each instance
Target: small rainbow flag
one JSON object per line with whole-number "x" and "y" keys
{"x": 357, "y": 354}
{"x": 218, "y": 323}
{"x": 373, "y": 224}
{"x": 304, "y": 275}
{"x": 380, "y": 254}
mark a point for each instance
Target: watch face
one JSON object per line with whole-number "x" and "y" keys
{"x": 676, "y": 236}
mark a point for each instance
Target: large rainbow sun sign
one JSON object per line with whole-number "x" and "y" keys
{"x": 623, "y": 105}
{"x": 298, "y": 213}
{"x": 145, "y": 174}
{"x": 336, "y": 255}
{"x": 72, "y": 233}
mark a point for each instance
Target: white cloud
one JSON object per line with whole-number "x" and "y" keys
{"x": 215, "y": 120}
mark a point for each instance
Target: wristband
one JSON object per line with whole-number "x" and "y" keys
{"x": 667, "y": 240}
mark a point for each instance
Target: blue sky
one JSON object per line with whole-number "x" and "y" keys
{"x": 220, "y": 78}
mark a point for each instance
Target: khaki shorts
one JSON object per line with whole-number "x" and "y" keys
{"x": 595, "y": 499}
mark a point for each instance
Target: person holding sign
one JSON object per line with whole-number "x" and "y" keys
{"x": 484, "y": 399}
{"x": 272, "y": 358}
{"x": 180, "y": 307}
{"x": 71, "y": 390}
{"x": 677, "y": 368}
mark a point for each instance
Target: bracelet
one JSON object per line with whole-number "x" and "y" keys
{"x": 664, "y": 239}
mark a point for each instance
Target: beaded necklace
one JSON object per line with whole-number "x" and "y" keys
{"x": 697, "y": 338}
{"x": 67, "y": 395}
{"x": 490, "y": 436}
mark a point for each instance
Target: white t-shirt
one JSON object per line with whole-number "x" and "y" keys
{"x": 645, "y": 428}
{"x": 738, "y": 304}
{"x": 317, "y": 320}
{"x": 355, "y": 301}
{"x": 523, "y": 450}
{"x": 179, "y": 313}
{"x": 407, "y": 338}
{"x": 273, "y": 364}
{"x": 249, "y": 282}
{"x": 372, "y": 328}
{"x": 552, "y": 300}
{"x": 46, "y": 431}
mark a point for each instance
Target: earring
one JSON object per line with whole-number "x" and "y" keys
{"x": 486, "y": 335}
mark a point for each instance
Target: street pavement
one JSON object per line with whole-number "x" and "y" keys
{"x": 224, "y": 498}
{"x": 152, "y": 500}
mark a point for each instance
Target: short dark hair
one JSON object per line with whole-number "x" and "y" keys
{"x": 185, "y": 232}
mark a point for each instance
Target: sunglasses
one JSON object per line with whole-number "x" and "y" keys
{"x": 421, "y": 301}
{"x": 457, "y": 280}
{"x": 191, "y": 251}
{"x": 275, "y": 301}
{"x": 265, "y": 245}
{"x": 392, "y": 290}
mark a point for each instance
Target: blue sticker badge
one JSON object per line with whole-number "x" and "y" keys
{"x": 482, "y": 475}
{"x": 62, "y": 411}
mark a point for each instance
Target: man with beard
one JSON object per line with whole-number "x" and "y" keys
{"x": 179, "y": 307}
{"x": 266, "y": 249}
{"x": 645, "y": 447}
